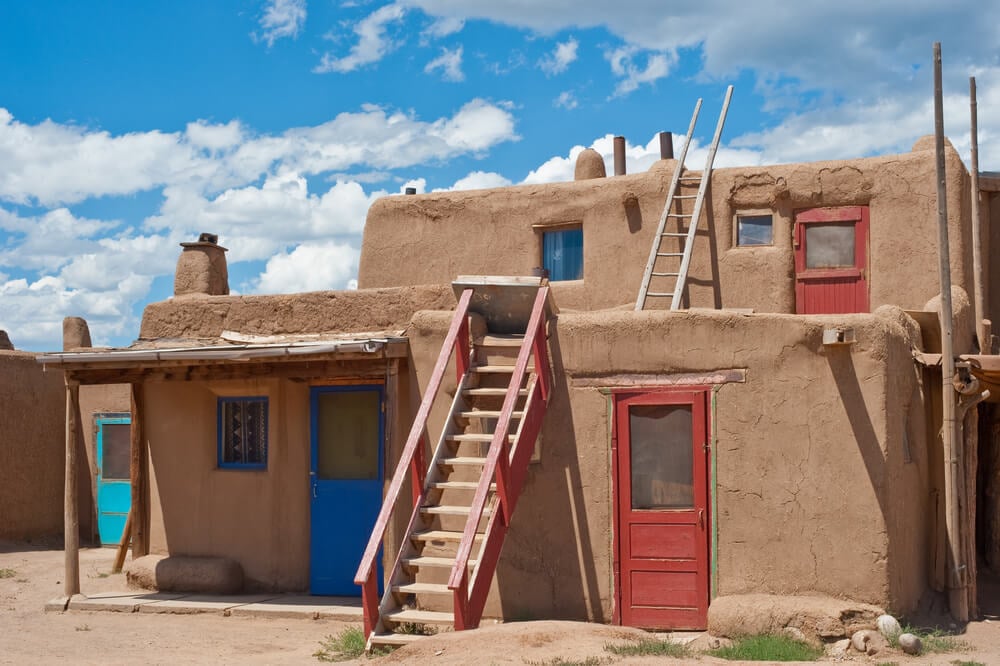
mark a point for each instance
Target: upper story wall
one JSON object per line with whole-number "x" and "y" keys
{"x": 431, "y": 238}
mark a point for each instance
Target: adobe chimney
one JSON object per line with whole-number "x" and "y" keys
{"x": 201, "y": 268}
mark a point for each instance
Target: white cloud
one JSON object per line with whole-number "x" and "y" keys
{"x": 560, "y": 59}
{"x": 450, "y": 64}
{"x": 310, "y": 267}
{"x": 281, "y": 18}
{"x": 480, "y": 180}
{"x": 632, "y": 76}
{"x": 566, "y": 100}
{"x": 373, "y": 41}
{"x": 443, "y": 27}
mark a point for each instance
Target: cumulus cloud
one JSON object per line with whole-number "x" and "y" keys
{"x": 373, "y": 44}
{"x": 566, "y": 100}
{"x": 624, "y": 66}
{"x": 281, "y": 18}
{"x": 450, "y": 64}
{"x": 480, "y": 180}
{"x": 560, "y": 59}
{"x": 310, "y": 267}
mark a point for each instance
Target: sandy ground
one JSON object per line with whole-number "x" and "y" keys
{"x": 29, "y": 635}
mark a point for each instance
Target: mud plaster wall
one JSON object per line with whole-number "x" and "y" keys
{"x": 315, "y": 312}
{"x": 260, "y": 518}
{"x": 431, "y": 238}
{"x": 814, "y": 493}
{"x": 95, "y": 401}
{"x": 32, "y": 448}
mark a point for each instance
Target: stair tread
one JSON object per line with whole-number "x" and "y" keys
{"x": 493, "y": 391}
{"x": 463, "y": 460}
{"x": 422, "y": 588}
{"x": 430, "y": 617}
{"x": 475, "y": 437}
{"x": 488, "y": 414}
{"x": 485, "y": 369}
{"x": 451, "y": 510}
{"x": 440, "y": 535}
{"x": 500, "y": 340}
{"x": 458, "y": 485}
{"x": 428, "y": 561}
{"x": 395, "y": 639}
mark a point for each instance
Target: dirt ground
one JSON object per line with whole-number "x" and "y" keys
{"x": 32, "y": 574}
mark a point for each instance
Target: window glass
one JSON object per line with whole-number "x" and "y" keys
{"x": 754, "y": 230}
{"x": 115, "y": 450}
{"x": 830, "y": 245}
{"x": 243, "y": 432}
{"x": 662, "y": 456}
{"x": 562, "y": 253}
{"x": 347, "y": 435}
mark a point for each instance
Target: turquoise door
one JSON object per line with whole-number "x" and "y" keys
{"x": 345, "y": 483}
{"x": 114, "y": 489}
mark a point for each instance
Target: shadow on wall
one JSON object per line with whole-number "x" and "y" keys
{"x": 548, "y": 569}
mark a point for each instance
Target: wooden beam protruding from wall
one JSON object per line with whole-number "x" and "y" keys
{"x": 71, "y": 515}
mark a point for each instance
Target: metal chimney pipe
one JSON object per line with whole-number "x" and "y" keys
{"x": 666, "y": 145}
{"x": 411, "y": 190}
{"x": 619, "y": 155}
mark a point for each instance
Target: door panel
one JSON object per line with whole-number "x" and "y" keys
{"x": 661, "y": 494}
{"x": 114, "y": 487}
{"x": 345, "y": 483}
{"x": 831, "y": 260}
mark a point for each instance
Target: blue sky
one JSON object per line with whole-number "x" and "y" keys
{"x": 128, "y": 127}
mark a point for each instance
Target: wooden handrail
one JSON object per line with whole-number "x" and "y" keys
{"x": 366, "y": 569}
{"x": 498, "y": 461}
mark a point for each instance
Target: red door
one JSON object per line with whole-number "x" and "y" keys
{"x": 661, "y": 493}
{"x": 831, "y": 260}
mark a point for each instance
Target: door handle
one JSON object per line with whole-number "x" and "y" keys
{"x": 701, "y": 518}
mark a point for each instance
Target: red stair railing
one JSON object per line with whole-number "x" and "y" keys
{"x": 470, "y": 596}
{"x": 413, "y": 457}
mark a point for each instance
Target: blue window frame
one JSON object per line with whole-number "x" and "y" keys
{"x": 562, "y": 253}
{"x": 243, "y": 433}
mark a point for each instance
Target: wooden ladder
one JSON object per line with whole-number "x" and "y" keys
{"x": 662, "y": 264}
{"x": 465, "y": 500}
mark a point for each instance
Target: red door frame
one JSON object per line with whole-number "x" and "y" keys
{"x": 858, "y": 272}
{"x": 698, "y": 398}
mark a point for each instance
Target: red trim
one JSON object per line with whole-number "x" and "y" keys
{"x": 849, "y": 282}
{"x": 410, "y": 459}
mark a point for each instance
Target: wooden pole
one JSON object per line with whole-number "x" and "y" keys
{"x": 982, "y": 330}
{"x": 138, "y": 472}
{"x": 123, "y": 546}
{"x": 71, "y": 517}
{"x": 957, "y": 597}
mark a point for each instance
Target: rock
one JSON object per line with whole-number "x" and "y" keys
{"x": 889, "y": 626}
{"x": 795, "y": 634}
{"x": 910, "y": 644}
{"x": 819, "y": 618}
{"x": 868, "y": 641}
{"x": 178, "y": 573}
{"x": 839, "y": 649}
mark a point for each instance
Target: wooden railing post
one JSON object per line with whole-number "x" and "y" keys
{"x": 462, "y": 347}
{"x": 369, "y": 602}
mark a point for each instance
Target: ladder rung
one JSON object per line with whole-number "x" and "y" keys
{"x": 674, "y": 234}
{"x": 448, "y": 510}
{"x": 418, "y": 616}
{"x": 440, "y": 535}
{"x": 670, "y": 254}
{"x": 691, "y": 179}
{"x": 678, "y": 215}
{"x": 488, "y": 414}
{"x": 458, "y": 485}
{"x": 664, "y": 274}
{"x": 658, "y": 295}
{"x": 475, "y": 437}
{"x": 462, "y": 460}
{"x": 685, "y": 196}
{"x": 485, "y": 369}
{"x": 435, "y": 562}
{"x": 493, "y": 391}
{"x": 421, "y": 588}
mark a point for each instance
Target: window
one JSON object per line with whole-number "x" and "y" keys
{"x": 754, "y": 230}
{"x": 243, "y": 433}
{"x": 562, "y": 253}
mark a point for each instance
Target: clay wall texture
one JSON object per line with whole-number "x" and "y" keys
{"x": 431, "y": 238}
{"x": 32, "y": 446}
{"x": 814, "y": 492}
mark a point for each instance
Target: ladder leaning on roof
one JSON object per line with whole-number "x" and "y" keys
{"x": 661, "y": 261}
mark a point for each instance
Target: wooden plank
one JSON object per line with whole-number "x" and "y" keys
{"x": 71, "y": 517}
{"x": 123, "y": 546}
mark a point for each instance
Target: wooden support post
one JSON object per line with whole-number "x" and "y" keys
{"x": 71, "y": 517}
{"x": 123, "y": 546}
{"x": 139, "y": 473}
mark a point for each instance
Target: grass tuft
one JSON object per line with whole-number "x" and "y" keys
{"x": 559, "y": 661}
{"x": 648, "y": 648}
{"x": 83, "y": 627}
{"x": 767, "y": 647}
{"x": 7, "y": 573}
{"x": 959, "y": 662}
{"x": 348, "y": 644}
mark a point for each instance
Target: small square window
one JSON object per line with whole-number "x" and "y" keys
{"x": 562, "y": 253}
{"x": 754, "y": 230}
{"x": 243, "y": 433}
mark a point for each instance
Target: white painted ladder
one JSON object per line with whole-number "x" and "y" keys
{"x": 662, "y": 260}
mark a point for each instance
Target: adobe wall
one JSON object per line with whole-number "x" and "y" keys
{"x": 431, "y": 238}
{"x": 814, "y": 490}
{"x": 314, "y": 312}
{"x": 32, "y": 447}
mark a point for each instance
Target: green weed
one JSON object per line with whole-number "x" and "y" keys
{"x": 767, "y": 647}
{"x": 959, "y": 662}
{"x": 348, "y": 644}
{"x": 559, "y": 661}
{"x": 7, "y": 573}
{"x": 933, "y": 640}
{"x": 648, "y": 648}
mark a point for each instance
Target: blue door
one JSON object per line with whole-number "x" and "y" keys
{"x": 345, "y": 482}
{"x": 114, "y": 488}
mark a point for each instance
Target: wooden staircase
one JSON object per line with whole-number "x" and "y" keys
{"x": 464, "y": 498}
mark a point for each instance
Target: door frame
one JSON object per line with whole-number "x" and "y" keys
{"x": 859, "y": 215}
{"x": 702, "y": 393}
{"x": 315, "y": 391}
{"x": 100, "y": 420}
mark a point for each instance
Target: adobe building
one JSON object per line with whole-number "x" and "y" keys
{"x": 776, "y": 435}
